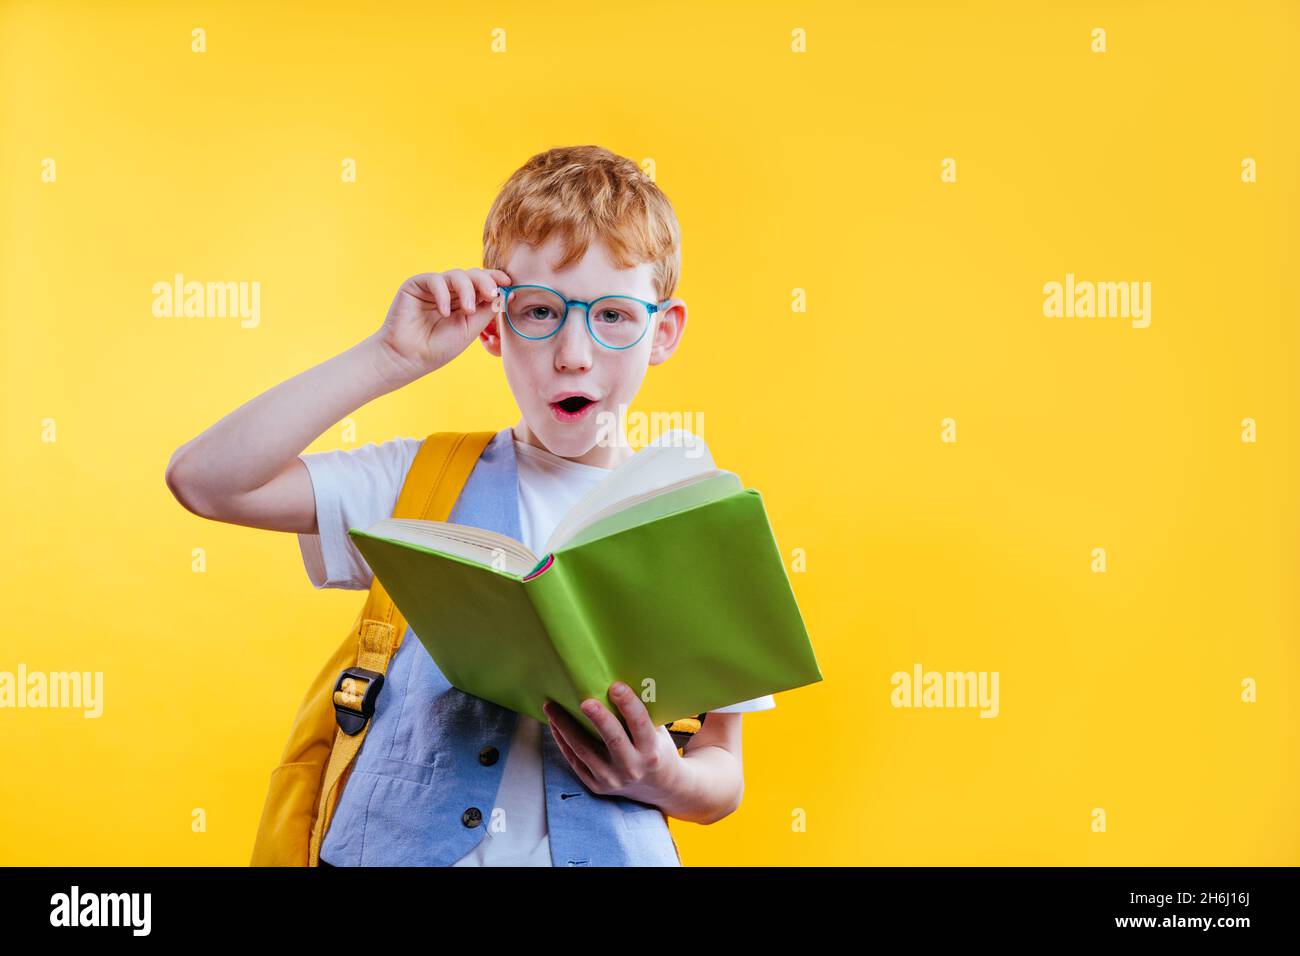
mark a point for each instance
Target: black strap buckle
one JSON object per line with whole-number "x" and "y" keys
{"x": 354, "y": 698}
{"x": 683, "y": 730}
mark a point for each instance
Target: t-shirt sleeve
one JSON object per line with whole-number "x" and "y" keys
{"x": 354, "y": 488}
{"x": 745, "y": 706}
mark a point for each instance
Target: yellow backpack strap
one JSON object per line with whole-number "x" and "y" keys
{"x": 433, "y": 484}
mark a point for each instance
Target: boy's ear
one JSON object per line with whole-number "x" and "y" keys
{"x": 668, "y": 331}
{"x": 491, "y": 336}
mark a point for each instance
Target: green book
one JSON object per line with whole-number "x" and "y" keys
{"x": 665, "y": 576}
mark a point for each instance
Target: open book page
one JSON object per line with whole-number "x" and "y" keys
{"x": 676, "y": 467}
{"x": 473, "y": 544}
{"x": 672, "y": 460}
{"x": 689, "y": 493}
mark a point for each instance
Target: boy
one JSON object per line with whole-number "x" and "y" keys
{"x": 586, "y": 224}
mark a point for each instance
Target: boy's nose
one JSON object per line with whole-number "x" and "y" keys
{"x": 574, "y": 346}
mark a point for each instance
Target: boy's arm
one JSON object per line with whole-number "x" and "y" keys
{"x": 717, "y": 768}
{"x": 245, "y": 469}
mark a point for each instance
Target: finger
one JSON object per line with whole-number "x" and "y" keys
{"x": 579, "y": 741}
{"x": 418, "y": 287}
{"x": 611, "y": 731}
{"x": 465, "y": 294}
{"x": 438, "y": 286}
{"x": 644, "y": 732}
{"x": 502, "y": 278}
{"x": 484, "y": 284}
{"x": 476, "y": 322}
{"x": 579, "y": 768}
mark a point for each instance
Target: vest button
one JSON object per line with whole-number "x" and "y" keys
{"x": 488, "y": 756}
{"x": 472, "y": 817}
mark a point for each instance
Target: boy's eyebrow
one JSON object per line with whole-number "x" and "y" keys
{"x": 572, "y": 298}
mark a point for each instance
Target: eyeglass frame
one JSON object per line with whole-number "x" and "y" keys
{"x": 652, "y": 309}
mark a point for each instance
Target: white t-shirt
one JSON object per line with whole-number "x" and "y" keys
{"x": 357, "y": 487}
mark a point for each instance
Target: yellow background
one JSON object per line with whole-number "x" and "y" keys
{"x": 817, "y": 171}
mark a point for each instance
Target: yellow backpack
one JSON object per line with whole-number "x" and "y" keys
{"x": 334, "y": 716}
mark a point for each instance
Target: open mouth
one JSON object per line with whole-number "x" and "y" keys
{"x": 572, "y": 408}
{"x": 574, "y": 403}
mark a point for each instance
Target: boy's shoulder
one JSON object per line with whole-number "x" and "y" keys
{"x": 366, "y": 464}
{"x": 356, "y": 487}
{"x": 376, "y": 471}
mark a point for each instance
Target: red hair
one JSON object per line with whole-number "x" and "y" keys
{"x": 585, "y": 193}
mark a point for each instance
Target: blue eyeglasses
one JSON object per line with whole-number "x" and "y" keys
{"x": 537, "y": 312}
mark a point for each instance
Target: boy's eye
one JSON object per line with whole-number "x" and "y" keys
{"x": 610, "y": 316}
{"x": 540, "y": 312}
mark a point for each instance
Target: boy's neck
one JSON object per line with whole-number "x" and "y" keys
{"x": 599, "y": 456}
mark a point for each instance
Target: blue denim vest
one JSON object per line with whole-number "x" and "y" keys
{"x": 422, "y": 789}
